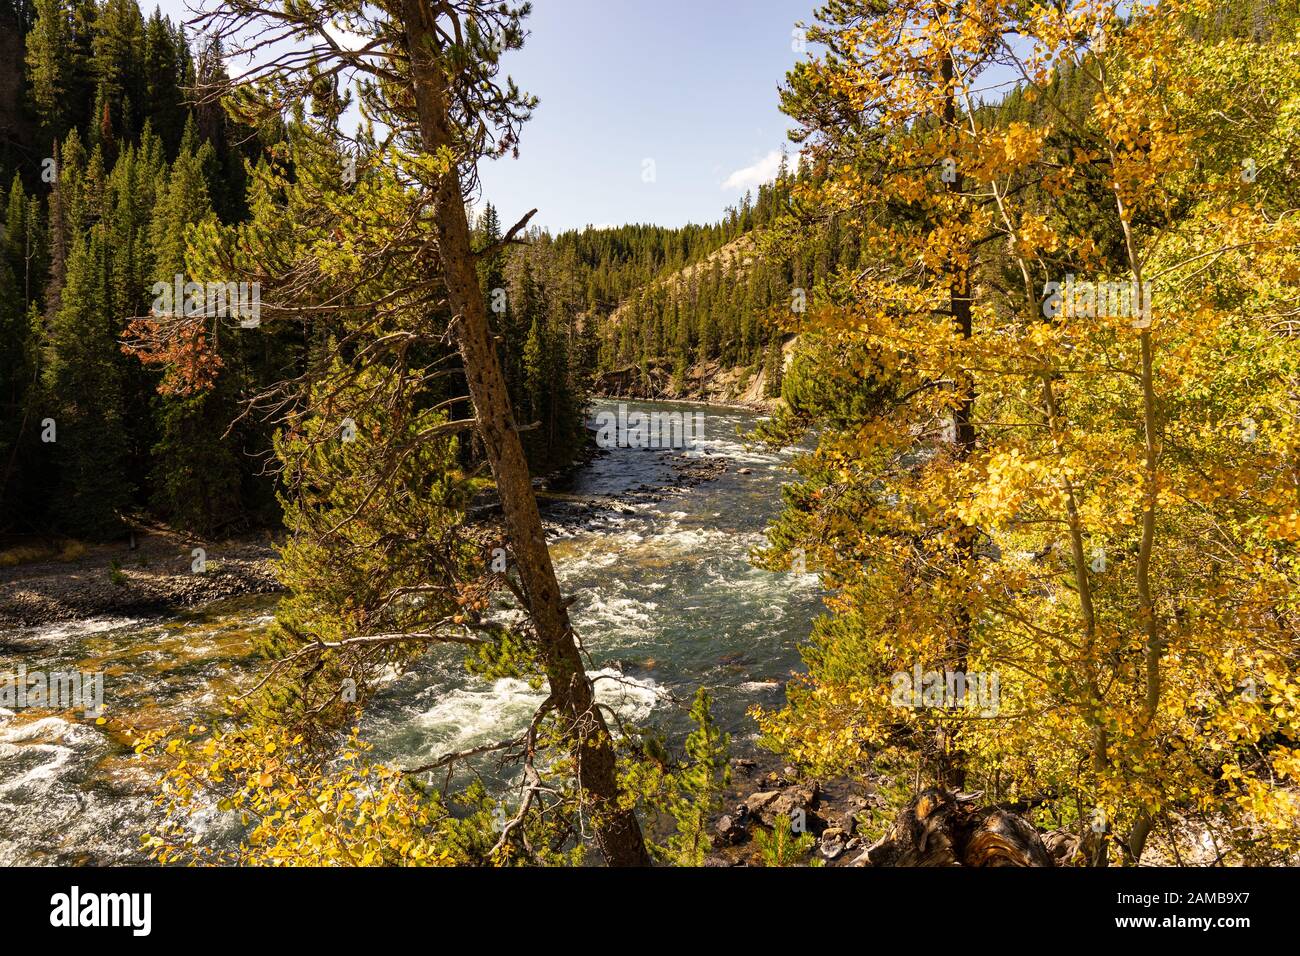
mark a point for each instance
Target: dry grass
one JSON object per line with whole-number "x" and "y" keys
{"x": 29, "y": 554}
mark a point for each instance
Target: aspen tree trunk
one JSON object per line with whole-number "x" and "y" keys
{"x": 1152, "y": 439}
{"x": 618, "y": 834}
{"x": 952, "y": 772}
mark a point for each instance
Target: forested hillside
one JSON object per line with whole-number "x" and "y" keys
{"x": 675, "y": 310}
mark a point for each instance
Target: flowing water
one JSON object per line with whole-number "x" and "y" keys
{"x": 666, "y": 601}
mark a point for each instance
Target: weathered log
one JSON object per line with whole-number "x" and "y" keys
{"x": 1063, "y": 846}
{"x": 941, "y": 828}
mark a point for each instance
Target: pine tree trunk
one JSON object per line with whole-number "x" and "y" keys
{"x": 618, "y": 834}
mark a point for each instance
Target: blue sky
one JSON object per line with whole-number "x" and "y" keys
{"x": 689, "y": 85}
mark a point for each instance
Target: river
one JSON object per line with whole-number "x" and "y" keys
{"x": 666, "y": 601}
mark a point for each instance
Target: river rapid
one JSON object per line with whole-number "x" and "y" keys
{"x": 666, "y": 601}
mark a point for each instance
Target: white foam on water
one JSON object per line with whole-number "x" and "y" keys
{"x": 49, "y": 737}
{"x": 756, "y": 583}
{"x": 630, "y": 697}
{"x": 485, "y": 712}
{"x": 690, "y": 540}
{"x": 736, "y": 451}
{"x": 601, "y": 556}
{"x": 43, "y": 730}
{"x": 465, "y": 717}
{"x": 623, "y": 613}
{"x": 43, "y": 775}
{"x": 606, "y": 618}
{"x": 84, "y": 628}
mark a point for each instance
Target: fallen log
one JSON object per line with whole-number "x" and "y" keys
{"x": 941, "y": 828}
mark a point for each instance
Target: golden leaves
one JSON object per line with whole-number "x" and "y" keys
{"x": 1023, "y": 545}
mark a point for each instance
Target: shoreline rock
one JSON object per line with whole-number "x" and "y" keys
{"x": 765, "y": 405}
{"x": 761, "y": 796}
{"x": 705, "y": 383}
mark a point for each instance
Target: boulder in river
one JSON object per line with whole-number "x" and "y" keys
{"x": 832, "y": 843}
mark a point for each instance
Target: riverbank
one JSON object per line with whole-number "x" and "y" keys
{"x": 155, "y": 573}
{"x": 765, "y": 793}
{"x": 763, "y": 407}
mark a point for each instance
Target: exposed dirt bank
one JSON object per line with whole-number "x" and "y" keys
{"x": 707, "y": 383}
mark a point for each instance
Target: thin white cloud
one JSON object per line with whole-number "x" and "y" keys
{"x": 754, "y": 175}
{"x": 345, "y": 37}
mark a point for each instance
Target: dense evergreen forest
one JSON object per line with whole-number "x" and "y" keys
{"x": 679, "y": 297}
{"x": 107, "y": 159}
{"x": 1033, "y": 371}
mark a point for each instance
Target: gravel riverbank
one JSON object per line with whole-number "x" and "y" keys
{"x": 159, "y": 574}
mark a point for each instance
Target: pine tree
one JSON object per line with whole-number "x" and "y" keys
{"x": 82, "y": 393}
{"x": 50, "y": 67}
{"x": 13, "y": 345}
{"x": 163, "y": 74}
{"x": 535, "y": 377}
{"x": 772, "y": 367}
{"x": 19, "y": 236}
{"x": 118, "y": 64}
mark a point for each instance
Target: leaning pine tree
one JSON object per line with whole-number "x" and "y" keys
{"x": 368, "y": 246}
